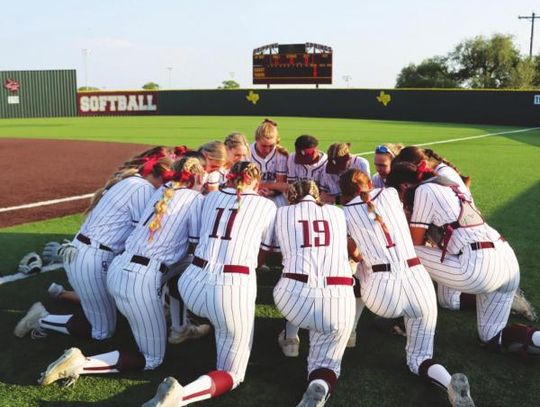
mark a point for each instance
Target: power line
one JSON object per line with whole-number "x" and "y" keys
{"x": 532, "y": 18}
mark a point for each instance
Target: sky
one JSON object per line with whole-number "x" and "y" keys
{"x": 197, "y": 44}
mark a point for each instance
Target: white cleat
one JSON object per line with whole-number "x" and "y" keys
{"x": 351, "y": 343}
{"x": 315, "y": 396}
{"x": 55, "y": 290}
{"x": 459, "y": 392}
{"x": 189, "y": 332}
{"x": 30, "y": 321}
{"x": 67, "y": 367}
{"x": 289, "y": 346}
{"x": 169, "y": 394}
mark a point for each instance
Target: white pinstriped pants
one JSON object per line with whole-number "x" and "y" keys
{"x": 137, "y": 292}
{"x": 491, "y": 274}
{"x": 87, "y": 274}
{"x": 231, "y": 310}
{"x": 328, "y": 314}
{"x": 408, "y": 292}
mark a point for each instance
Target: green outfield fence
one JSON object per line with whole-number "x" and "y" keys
{"x": 48, "y": 93}
{"x": 455, "y": 106}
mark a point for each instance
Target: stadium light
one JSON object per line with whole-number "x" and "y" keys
{"x": 85, "y": 52}
{"x": 169, "y": 68}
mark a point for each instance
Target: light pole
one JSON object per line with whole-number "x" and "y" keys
{"x": 169, "y": 68}
{"x": 85, "y": 52}
{"x": 347, "y": 79}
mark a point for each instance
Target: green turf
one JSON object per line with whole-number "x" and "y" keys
{"x": 506, "y": 185}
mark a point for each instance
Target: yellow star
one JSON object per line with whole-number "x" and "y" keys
{"x": 253, "y": 97}
{"x": 384, "y": 98}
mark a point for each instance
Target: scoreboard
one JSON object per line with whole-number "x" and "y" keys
{"x": 307, "y": 63}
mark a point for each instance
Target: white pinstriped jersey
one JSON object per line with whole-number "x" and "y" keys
{"x": 179, "y": 226}
{"x": 312, "y": 240}
{"x": 272, "y": 165}
{"x": 330, "y": 182}
{"x": 448, "y": 172}
{"x": 215, "y": 178}
{"x": 377, "y": 181}
{"x": 315, "y": 172}
{"x": 369, "y": 235}
{"x": 437, "y": 204}
{"x": 232, "y": 234}
{"x": 117, "y": 212}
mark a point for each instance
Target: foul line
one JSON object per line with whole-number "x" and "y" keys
{"x": 87, "y": 196}
{"x": 45, "y": 203}
{"x": 464, "y": 138}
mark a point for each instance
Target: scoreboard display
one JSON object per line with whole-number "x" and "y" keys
{"x": 292, "y": 64}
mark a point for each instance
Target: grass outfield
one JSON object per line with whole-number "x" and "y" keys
{"x": 506, "y": 185}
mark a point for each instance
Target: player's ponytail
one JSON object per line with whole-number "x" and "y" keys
{"x": 242, "y": 174}
{"x": 432, "y": 155}
{"x": 300, "y": 189}
{"x": 268, "y": 130}
{"x": 184, "y": 172}
{"x": 356, "y": 183}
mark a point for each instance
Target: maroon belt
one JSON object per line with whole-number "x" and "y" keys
{"x": 144, "y": 261}
{"x": 86, "y": 240}
{"x": 329, "y": 280}
{"x": 415, "y": 261}
{"x": 227, "y": 268}
{"x": 482, "y": 245}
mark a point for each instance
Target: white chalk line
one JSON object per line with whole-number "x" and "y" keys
{"x": 21, "y": 276}
{"x": 464, "y": 138}
{"x": 87, "y": 196}
{"x": 45, "y": 203}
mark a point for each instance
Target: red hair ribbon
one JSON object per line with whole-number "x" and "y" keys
{"x": 179, "y": 151}
{"x": 422, "y": 169}
{"x": 244, "y": 177}
{"x": 167, "y": 175}
{"x": 149, "y": 163}
{"x": 183, "y": 176}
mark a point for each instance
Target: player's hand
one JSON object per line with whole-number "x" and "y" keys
{"x": 68, "y": 251}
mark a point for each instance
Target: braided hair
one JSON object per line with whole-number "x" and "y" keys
{"x": 242, "y": 174}
{"x": 184, "y": 172}
{"x": 354, "y": 182}
{"x": 300, "y": 189}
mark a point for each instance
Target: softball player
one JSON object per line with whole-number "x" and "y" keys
{"x": 315, "y": 290}
{"x": 307, "y": 162}
{"x": 113, "y": 214}
{"x": 384, "y": 155}
{"x": 475, "y": 258}
{"x": 215, "y": 157}
{"x": 393, "y": 281}
{"x": 339, "y": 161}
{"x": 135, "y": 278}
{"x": 221, "y": 283}
{"x": 271, "y": 158}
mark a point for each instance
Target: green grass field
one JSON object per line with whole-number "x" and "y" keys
{"x": 506, "y": 184}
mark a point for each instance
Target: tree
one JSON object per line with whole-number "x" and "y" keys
{"x": 430, "y": 73}
{"x": 151, "y": 86}
{"x": 485, "y": 62}
{"x": 524, "y": 75}
{"x": 87, "y": 88}
{"x": 230, "y": 84}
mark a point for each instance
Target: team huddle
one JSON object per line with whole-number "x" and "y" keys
{"x": 175, "y": 237}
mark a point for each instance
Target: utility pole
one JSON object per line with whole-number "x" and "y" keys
{"x": 347, "y": 79}
{"x": 85, "y": 52}
{"x": 532, "y": 18}
{"x": 169, "y": 68}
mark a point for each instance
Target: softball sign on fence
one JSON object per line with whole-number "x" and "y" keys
{"x": 117, "y": 103}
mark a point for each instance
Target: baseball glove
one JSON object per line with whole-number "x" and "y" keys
{"x": 434, "y": 235}
{"x": 51, "y": 252}
{"x": 68, "y": 252}
{"x": 31, "y": 263}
